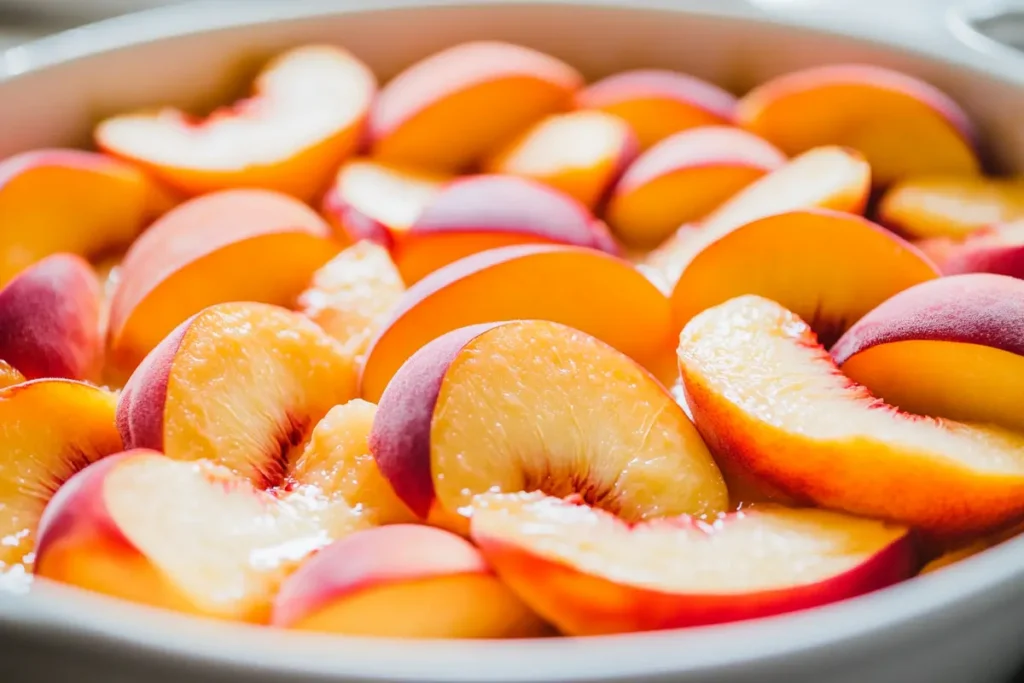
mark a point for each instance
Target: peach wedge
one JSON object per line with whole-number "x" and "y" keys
{"x": 923, "y": 207}
{"x": 455, "y": 107}
{"x": 684, "y": 178}
{"x": 657, "y": 103}
{"x": 402, "y": 581}
{"x": 950, "y": 348}
{"x": 769, "y": 400}
{"x": 595, "y": 293}
{"x": 305, "y": 116}
{"x": 535, "y": 405}
{"x": 590, "y": 573}
{"x": 811, "y": 261}
{"x": 902, "y": 125}
{"x": 998, "y": 249}
{"x": 235, "y": 245}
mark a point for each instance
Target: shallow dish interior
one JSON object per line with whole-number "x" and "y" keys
{"x": 56, "y": 90}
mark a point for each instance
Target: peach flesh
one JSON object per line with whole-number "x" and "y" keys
{"x": 950, "y": 206}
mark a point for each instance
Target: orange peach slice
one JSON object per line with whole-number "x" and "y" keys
{"x": 50, "y": 320}
{"x": 949, "y": 348}
{"x": 353, "y": 294}
{"x": 811, "y": 261}
{"x": 402, "y": 581}
{"x": 305, "y": 116}
{"x": 767, "y": 397}
{"x": 903, "y": 126}
{"x": 950, "y": 206}
{"x": 488, "y": 211}
{"x": 104, "y": 203}
{"x": 240, "y": 384}
{"x": 998, "y": 249}
{"x": 657, "y": 103}
{"x": 595, "y": 293}
{"x": 378, "y": 202}
{"x": 535, "y": 405}
{"x": 52, "y": 429}
{"x": 590, "y": 573}
{"x": 236, "y": 245}
{"x": 685, "y": 177}
{"x": 580, "y": 153}
{"x": 455, "y": 107}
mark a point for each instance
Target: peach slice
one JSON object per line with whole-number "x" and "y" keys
{"x": 595, "y": 293}
{"x": 488, "y": 211}
{"x": 50, "y": 320}
{"x": 657, "y": 103}
{"x": 535, "y": 405}
{"x": 950, "y": 206}
{"x": 236, "y": 245}
{"x": 9, "y": 375}
{"x": 998, "y": 249}
{"x": 353, "y": 294}
{"x": 971, "y": 549}
{"x": 378, "y": 202}
{"x": 240, "y": 384}
{"x": 305, "y": 116}
{"x": 181, "y": 535}
{"x": 52, "y": 429}
{"x": 903, "y": 126}
{"x": 811, "y": 261}
{"x": 103, "y": 204}
{"x": 590, "y": 573}
{"x": 685, "y": 177}
{"x": 455, "y": 107}
{"x": 436, "y": 582}
{"x": 768, "y": 398}
{"x": 580, "y": 153}
{"x": 949, "y": 348}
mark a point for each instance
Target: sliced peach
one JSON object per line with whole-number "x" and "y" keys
{"x": 305, "y": 116}
{"x": 50, "y": 320}
{"x": 379, "y": 202}
{"x": 923, "y": 207}
{"x": 767, "y": 397}
{"x": 590, "y": 573}
{"x": 951, "y": 557}
{"x": 63, "y": 200}
{"x": 402, "y": 581}
{"x": 236, "y": 245}
{"x": 812, "y": 261}
{"x": 998, "y": 249}
{"x": 488, "y": 211}
{"x": 595, "y": 293}
{"x": 240, "y": 384}
{"x": 535, "y": 405}
{"x": 353, "y": 294}
{"x": 657, "y": 103}
{"x": 685, "y": 177}
{"x": 51, "y": 429}
{"x": 581, "y": 153}
{"x": 453, "y": 108}
{"x": 950, "y": 348}
{"x": 902, "y": 125}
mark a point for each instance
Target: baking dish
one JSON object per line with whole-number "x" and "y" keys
{"x": 961, "y": 624}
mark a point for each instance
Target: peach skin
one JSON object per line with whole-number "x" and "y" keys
{"x": 997, "y": 249}
{"x": 305, "y": 116}
{"x": 104, "y": 203}
{"x": 590, "y": 573}
{"x": 269, "y": 243}
{"x": 767, "y": 397}
{"x": 581, "y": 153}
{"x": 685, "y": 177}
{"x": 902, "y": 125}
{"x": 488, "y": 211}
{"x": 948, "y": 348}
{"x": 657, "y": 103}
{"x": 811, "y": 261}
{"x": 534, "y": 405}
{"x": 436, "y": 581}
{"x": 923, "y": 207}
{"x": 452, "y": 109}
{"x": 595, "y": 293}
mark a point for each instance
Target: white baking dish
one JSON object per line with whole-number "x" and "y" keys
{"x": 961, "y": 625}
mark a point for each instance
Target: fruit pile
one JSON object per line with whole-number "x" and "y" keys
{"x": 507, "y": 354}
